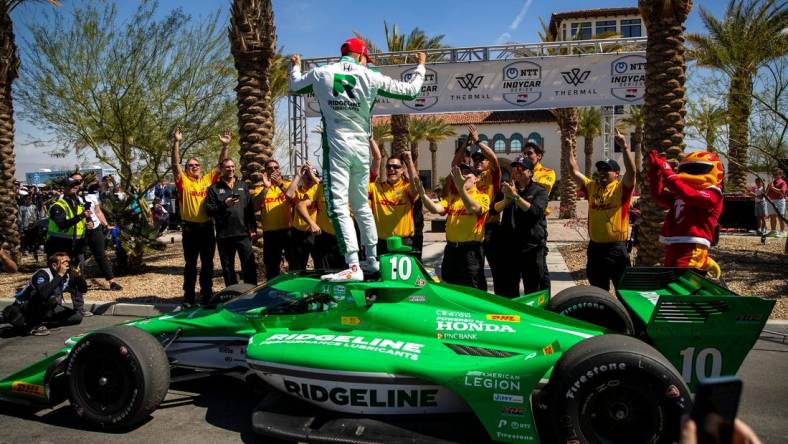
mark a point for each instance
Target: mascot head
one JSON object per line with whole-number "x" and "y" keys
{"x": 701, "y": 170}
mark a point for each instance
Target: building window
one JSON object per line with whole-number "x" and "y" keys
{"x": 484, "y": 138}
{"x": 516, "y": 143}
{"x": 581, "y": 31}
{"x": 537, "y": 139}
{"x": 630, "y": 28}
{"x": 604, "y": 26}
{"x": 499, "y": 143}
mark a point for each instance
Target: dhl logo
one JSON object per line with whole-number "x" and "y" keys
{"x": 503, "y": 318}
{"x": 27, "y": 388}
{"x": 350, "y": 320}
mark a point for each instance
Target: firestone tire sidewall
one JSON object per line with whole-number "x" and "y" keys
{"x": 76, "y": 364}
{"x": 577, "y": 388}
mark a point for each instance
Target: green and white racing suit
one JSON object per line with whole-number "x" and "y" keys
{"x": 346, "y": 92}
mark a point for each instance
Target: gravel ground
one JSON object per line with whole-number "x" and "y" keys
{"x": 748, "y": 267}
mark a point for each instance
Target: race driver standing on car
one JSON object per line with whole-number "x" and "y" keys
{"x": 346, "y": 91}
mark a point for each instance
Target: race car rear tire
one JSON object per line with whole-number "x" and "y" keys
{"x": 595, "y": 305}
{"x": 117, "y": 376}
{"x": 230, "y": 292}
{"x": 614, "y": 389}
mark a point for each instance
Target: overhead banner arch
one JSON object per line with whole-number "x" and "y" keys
{"x": 518, "y": 84}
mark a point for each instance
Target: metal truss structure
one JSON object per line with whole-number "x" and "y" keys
{"x": 297, "y": 134}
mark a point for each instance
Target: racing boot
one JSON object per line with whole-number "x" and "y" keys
{"x": 370, "y": 265}
{"x": 352, "y": 274}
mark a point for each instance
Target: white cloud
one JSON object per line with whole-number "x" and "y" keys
{"x": 516, "y": 22}
{"x": 503, "y": 38}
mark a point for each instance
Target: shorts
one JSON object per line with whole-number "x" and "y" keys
{"x": 760, "y": 208}
{"x": 779, "y": 204}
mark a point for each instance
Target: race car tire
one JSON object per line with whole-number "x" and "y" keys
{"x": 117, "y": 376}
{"x": 594, "y": 305}
{"x": 615, "y": 389}
{"x": 230, "y": 292}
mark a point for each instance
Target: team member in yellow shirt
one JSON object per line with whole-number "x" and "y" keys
{"x": 304, "y": 230}
{"x": 546, "y": 178}
{"x": 275, "y": 199}
{"x": 466, "y": 209}
{"x": 608, "y": 216}
{"x": 392, "y": 200}
{"x": 313, "y": 210}
{"x": 199, "y": 240}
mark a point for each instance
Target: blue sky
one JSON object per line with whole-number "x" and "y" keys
{"x": 317, "y": 28}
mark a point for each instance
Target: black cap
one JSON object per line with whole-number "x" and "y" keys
{"x": 523, "y": 162}
{"x": 465, "y": 168}
{"x": 71, "y": 182}
{"x": 607, "y": 165}
{"x": 478, "y": 153}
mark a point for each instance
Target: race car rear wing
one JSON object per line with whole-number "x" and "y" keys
{"x": 703, "y": 328}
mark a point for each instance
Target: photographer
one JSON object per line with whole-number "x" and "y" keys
{"x": 41, "y": 301}
{"x": 67, "y": 228}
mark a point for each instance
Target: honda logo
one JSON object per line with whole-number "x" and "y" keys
{"x": 574, "y": 77}
{"x": 469, "y": 82}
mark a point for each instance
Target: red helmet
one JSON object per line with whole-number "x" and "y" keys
{"x": 355, "y": 45}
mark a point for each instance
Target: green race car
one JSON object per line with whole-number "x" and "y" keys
{"x": 365, "y": 361}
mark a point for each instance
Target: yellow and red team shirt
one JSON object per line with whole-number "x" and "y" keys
{"x": 277, "y": 214}
{"x": 546, "y": 178}
{"x": 392, "y": 207}
{"x": 191, "y": 196}
{"x": 462, "y": 225}
{"x": 319, "y": 204}
{"x": 489, "y": 184}
{"x": 608, "y": 211}
{"x": 298, "y": 222}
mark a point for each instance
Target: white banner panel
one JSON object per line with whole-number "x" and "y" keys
{"x": 516, "y": 84}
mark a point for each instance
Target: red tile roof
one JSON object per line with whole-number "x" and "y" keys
{"x": 486, "y": 117}
{"x": 556, "y": 18}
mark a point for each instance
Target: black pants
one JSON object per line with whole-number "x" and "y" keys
{"x": 418, "y": 229}
{"x": 326, "y": 253}
{"x": 493, "y": 247}
{"x": 227, "y": 250}
{"x": 276, "y": 244}
{"x": 199, "y": 241}
{"x": 96, "y": 243}
{"x": 527, "y": 266}
{"x": 606, "y": 262}
{"x": 383, "y": 246}
{"x": 463, "y": 264}
{"x": 302, "y": 245}
{"x": 35, "y": 313}
{"x": 74, "y": 249}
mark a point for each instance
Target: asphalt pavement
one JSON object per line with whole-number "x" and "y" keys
{"x": 218, "y": 409}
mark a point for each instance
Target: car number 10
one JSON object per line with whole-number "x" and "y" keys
{"x": 403, "y": 269}
{"x": 699, "y": 361}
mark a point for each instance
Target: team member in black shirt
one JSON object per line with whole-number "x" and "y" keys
{"x": 524, "y": 226}
{"x": 230, "y": 205}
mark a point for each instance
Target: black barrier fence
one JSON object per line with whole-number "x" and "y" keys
{"x": 738, "y": 211}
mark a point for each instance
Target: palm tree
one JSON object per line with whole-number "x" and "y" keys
{"x": 751, "y": 34}
{"x": 635, "y": 120}
{"x": 437, "y": 130}
{"x": 9, "y": 71}
{"x": 706, "y": 119}
{"x": 253, "y": 46}
{"x": 663, "y": 113}
{"x": 567, "y": 124}
{"x": 589, "y": 125}
{"x": 381, "y": 131}
{"x": 396, "y": 42}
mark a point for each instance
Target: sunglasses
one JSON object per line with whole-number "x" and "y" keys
{"x": 529, "y": 153}
{"x": 193, "y": 165}
{"x": 272, "y": 167}
{"x": 393, "y": 167}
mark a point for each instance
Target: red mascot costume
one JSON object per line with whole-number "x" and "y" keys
{"x": 694, "y": 197}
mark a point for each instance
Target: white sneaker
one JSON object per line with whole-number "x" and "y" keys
{"x": 352, "y": 274}
{"x": 371, "y": 265}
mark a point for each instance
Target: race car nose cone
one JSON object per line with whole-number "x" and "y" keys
{"x": 102, "y": 381}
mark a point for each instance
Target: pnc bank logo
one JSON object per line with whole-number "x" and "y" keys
{"x": 574, "y": 77}
{"x": 469, "y": 81}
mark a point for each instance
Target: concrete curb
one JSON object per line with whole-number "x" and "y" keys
{"x": 106, "y": 308}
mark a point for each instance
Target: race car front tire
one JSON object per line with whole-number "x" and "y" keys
{"x": 594, "y": 305}
{"x": 614, "y": 389}
{"x": 117, "y": 376}
{"x": 230, "y": 292}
